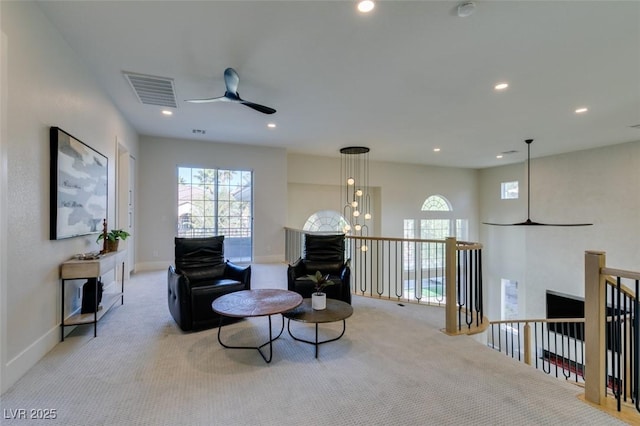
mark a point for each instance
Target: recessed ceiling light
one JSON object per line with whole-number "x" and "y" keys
{"x": 582, "y": 110}
{"x": 499, "y": 156}
{"x": 366, "y": 6}
{"x": 167, "y": 112}
{"x": 436, "y": 149}
{"x": 271, "y": 125}
{"x": 501, "y": 86}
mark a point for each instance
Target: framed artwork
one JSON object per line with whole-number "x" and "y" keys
{"x": 78, "y": 187}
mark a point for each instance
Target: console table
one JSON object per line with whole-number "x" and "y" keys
{"x": 76, "y": 269}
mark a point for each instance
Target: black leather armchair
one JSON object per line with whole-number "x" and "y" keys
{"x": 200, "y": 276}
{"x": 324, "y": 253}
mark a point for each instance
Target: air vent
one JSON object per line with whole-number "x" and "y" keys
{"x": 635, "y": 126}
{"x": 509, "y": 152}
{"x": 152, "y": 90}
{"x": 198, "y": 131}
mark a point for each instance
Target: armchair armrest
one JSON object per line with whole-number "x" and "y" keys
{"x": 295, "y": 270}
{"x": 178, "y": 296}
{"x": 179, "y": 282}
{"x": 238, "y": 273}
{"x": 345, "y": 273}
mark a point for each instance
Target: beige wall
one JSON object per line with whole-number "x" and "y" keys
{"x": 157, "y": 178}
{"x": 599, "y": 186}
{"x": 399, "y": 190}
{"x": 43, "y": 84}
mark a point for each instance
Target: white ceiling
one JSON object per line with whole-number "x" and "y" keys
{"x": 402, "y": 80}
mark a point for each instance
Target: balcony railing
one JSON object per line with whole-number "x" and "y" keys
{"x": 612, "y": 333}
{"x": 555, "y": 346}
{"x": 414, "y": 271}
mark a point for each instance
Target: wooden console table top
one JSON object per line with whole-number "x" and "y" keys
{"x": 93, "y": 268}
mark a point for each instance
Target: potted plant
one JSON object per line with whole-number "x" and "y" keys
{"x": 318, "y": 297}
{"x": 113, "y": 237}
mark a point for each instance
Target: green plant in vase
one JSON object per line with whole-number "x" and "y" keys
{"x": 320, "y": 281}
{"x": 112, "y": 238}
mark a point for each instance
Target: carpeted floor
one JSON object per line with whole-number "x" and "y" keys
{"x": 393, "y": 367}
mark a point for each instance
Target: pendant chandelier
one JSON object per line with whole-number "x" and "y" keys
{"x": 355, "y": 197}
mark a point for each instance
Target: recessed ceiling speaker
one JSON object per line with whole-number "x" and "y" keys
{"x": 465, "y": 9}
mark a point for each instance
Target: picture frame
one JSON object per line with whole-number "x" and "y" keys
{"x": 79, "y": 187}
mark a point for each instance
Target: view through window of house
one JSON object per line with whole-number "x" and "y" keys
{"x": 217, "y": 202}
{"x": 408, "y": 249}
{"x": 509, "y": 302}
{"x": 509, "y": 190}
{"x": 462, "y": 229}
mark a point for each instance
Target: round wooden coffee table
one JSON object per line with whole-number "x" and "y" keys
{"x": 256, "y": 303}
{"x": 336, "y": 310}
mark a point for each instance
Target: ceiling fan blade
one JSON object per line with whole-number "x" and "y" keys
{"x": 566, "y": 224}
{"x": 206, "y": 101}
{"x": 529, "y": 222}
{"x": 231, "y": 80}
{"x": 263, "y": 109}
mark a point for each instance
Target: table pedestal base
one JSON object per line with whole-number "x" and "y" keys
{"x": 316, "y": 343}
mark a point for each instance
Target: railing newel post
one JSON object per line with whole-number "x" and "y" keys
{"x": 527, "y": 343}
{"x": 450, "y": 273}
{"x": 595, "y": 318}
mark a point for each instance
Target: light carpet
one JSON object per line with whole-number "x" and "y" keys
{"x": 393, "y": 366}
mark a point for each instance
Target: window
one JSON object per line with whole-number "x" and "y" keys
{"x": 433, "y": 253}
{"x": 509, "y": 190}
{"x": 438, "y": 225}
{"x": 436, "y": 203}
{"x": 217, "y": 202}
{"x": 509, "y": 298}
{"x": 509, "y": 305}
{"x": 462, "y": 229}
{"x": 408, "y": 249}
{"x": 325, "y": 221}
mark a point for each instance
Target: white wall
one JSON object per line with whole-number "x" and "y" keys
{"x": 599, "y": 186}
{"x": 46, "y": 85}
{"x": 399, "y": 189}
{"x": 157, "y": 194}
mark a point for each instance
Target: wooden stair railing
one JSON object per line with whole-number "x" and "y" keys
{"x": 612, "y": 333}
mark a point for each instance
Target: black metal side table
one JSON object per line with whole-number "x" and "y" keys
{"x": 336, "y": 310}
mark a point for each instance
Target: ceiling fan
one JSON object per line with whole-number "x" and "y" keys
{"x": 529, "y": 222}
{"x": 231, "y": 80}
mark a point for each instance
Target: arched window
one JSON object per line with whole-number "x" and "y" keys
{"x": 437, "y": 222}
{"x": 325, "y": 221}
{"x": 436, "y": 203}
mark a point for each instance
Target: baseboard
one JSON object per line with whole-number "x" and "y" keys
{"x": 153, "y": 266}
{"x": 29, "y": 357}
{"x": 277, "y": 258}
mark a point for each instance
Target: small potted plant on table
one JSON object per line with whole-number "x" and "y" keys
{"x": 113, "y": 237}
{"x": 318, "y": 297}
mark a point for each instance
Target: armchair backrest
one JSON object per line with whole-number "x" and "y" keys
{"x": 324, "y": 253}
{"x": 200, "y": 258}
{"x": 328, "y": 248}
